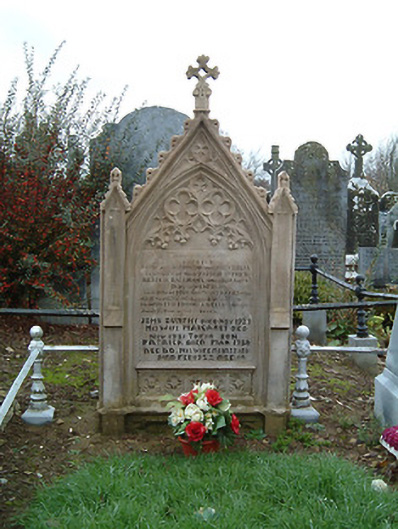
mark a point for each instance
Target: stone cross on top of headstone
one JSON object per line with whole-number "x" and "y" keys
{"x": 202, "y": 90}
{"x": 273, "y": 166}
{"x": 359, "y": 147}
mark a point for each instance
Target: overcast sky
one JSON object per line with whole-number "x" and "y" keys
{"x": 291, "y": 71}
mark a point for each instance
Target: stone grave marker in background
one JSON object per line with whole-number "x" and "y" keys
{"x": 388, "y": 217}
{"x": 319, "y": 187}
{"x": 133, "y": 144}
{"x": 363, "y": 203}
{"x": 196, "y": 281}
{"x": 273, "y": 167}
{"x": 380, "y": 263}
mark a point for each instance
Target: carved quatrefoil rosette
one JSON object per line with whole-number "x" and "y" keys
{"x": 200, "y": 207}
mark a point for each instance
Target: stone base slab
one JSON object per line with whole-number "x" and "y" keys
{"x": 308, "y": 414}
{"x": 131, "y": 419}
{"x": 317, "y": 323}
{"x": 38, "y": 417}
{"x": 366, "y": 361}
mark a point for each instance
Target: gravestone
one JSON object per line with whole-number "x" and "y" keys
{"x": 386, "y": 384}
{"x": 319, "y": 187}
{"x": 392, "y": 227}
{"x": 388, "y": 215}
{"x": 133, "y": 144}
{"x": 381, "y": 263}
{"x": 197, "y": 281}
{"x": 363, "y": 215}
{"x": 273, "y": 167}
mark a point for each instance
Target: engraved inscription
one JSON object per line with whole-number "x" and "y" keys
{"x": 196, "y": 308}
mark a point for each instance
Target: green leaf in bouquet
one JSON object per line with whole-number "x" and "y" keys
{"x": 181, "y": 429}
{"x": 220, "y": 422}
{"x": 224, "y": 405}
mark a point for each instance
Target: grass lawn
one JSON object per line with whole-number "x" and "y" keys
{"x": 234, "y": 490}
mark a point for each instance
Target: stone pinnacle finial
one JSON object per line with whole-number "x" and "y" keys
{"x": 202, "y": 90}
{"x": 116, "y": 176}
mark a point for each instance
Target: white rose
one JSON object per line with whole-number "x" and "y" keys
{"x": 202, "y": 403}
{"x": 176, "y": 417}
{"x": 194, "y": 413}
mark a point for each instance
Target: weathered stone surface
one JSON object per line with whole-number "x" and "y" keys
{"x": 392, "y": 227}
{"x": 366, "y": 361}
{"x": 388, "y": 217}
{"x": 133, "y": 144}
{"x": 379, "y": 264}
{"x": 197, "y": 281}
{"x": 319, "y": 187}
{"x": 316, "y": 321}
{"x": 363, "y": 215}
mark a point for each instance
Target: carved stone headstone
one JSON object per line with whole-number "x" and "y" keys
{"x": 381, "y": 263}
{"x": 388, "y": 217}
{"x": 363, "y": 215}
{"x": 197, "y": 280}
{"x": 319, "y": 187}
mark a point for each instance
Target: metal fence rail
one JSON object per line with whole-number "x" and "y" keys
{"x": 79, "y": 313}
{"x": 38, "y": 412}
{"x": 12, "y": 393}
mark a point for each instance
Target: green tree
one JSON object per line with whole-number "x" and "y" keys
{"x": 50, "y": 201}
{"x": 381, "y": 166}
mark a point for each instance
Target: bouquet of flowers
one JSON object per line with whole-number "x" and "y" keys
{"x": 202, "y": 414}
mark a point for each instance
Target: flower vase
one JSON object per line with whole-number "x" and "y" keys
{"x": 208, "y": 446}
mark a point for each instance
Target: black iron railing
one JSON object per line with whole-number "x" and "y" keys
{"x": 359, "y": 290}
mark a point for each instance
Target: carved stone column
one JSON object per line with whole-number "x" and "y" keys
{"x": 284, "y": 211}
{"x": 113, "y": 248}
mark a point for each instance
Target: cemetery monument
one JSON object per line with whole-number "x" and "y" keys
{"x": 373, "y": 223}
{"x": 196, "y": 281}
{"x": 319, "y": 186}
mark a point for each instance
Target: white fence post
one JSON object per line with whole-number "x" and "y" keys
{"x": 38, "y": 412}
{"x": 301, "y": 403}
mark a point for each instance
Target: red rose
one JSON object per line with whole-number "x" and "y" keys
{"x": 188, "y": 398}
{"x": 195, "y": 431}
{"x": 235, "y": 424}
{"x": 213, "y": 397}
